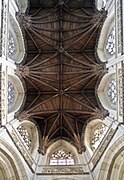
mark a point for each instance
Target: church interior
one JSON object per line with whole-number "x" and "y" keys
{"x": 62, "y": 90}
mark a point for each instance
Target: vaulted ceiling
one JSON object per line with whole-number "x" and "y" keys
{"x": 61, "y": 70}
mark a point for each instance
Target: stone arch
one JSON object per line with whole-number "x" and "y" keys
{"x": 103, "y": 89}
{"x": 89, "y": 133}
{"x": 113, "y": 163}
{"x": 19, "y": 93}
{"x": 33, "y": 133}
{"x": 101, "y": 50}
{"x": 10, "y": 163}
{"x": 65, "y": 145}
{"x": 16, "y": 32}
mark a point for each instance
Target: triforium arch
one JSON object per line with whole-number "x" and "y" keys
{"x": 112, "y": 166}
{"x": 61, "y": 68}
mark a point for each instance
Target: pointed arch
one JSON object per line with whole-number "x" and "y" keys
{"x": 94, "y": 133}
{"x": 29, "y": 135}
{"x": 101, "y": 49}
{"x": 15, "y": 90}
{"x": 62, "y": 144}
{"x": 112, "y": 166}
{"x": 10, "y": 162}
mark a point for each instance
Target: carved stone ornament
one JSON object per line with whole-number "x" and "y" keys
{"x": 62, "y": 170}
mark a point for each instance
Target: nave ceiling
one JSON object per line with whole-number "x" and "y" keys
{"x": 61, "y": 70}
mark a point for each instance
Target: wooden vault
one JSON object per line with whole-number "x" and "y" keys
{"x": 61, "y": 70}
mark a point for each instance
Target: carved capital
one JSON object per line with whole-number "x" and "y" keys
{"x": 24, "y": 20}
{"x": 98, "y": 16}
{"x": 23, "y": 71}
{"x": 23, "y": 116}
{"x": 99, "y": 68}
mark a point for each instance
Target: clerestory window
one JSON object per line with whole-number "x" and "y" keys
{"x": 62, "y": 157}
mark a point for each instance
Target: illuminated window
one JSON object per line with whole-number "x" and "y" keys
{"x": 11, "y": 45}
{"x": 11, "y": 93}
{"x": 112, "y": 93}
{"x": 62, "y": 157}
{"x": 25, "y": 136}
{"x": 110, "y": 46}
{"x": 98, "y": 134}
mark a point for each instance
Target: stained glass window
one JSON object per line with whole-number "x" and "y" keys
{"x": 62, "y": 157}
{"x": 11, "y": 45}
{"x": 112, "y": 93}
{"x": 98, "y": 134}
{"x": 11, "y": 93}
{"x": 25, "y": 136}
{"x": 110, "y": 46}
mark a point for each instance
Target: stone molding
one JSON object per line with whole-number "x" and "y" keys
{"x": 62, "y": 170}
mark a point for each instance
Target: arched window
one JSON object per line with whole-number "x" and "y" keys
{"x": 94, "y": 134}
{"x": 11, "y": 94}
{"x": 16, "y": 48}
{"x": 25, "y": 136}
{"x": 110, "y": 44}
{"x": 62, "y": 157}
{"x": 15, "y": 93}
{"x": 28, "y": 134}
{"x": 112, "y": 93}
{"x": 11, "y": 45}
{"x": 98, "y": 133}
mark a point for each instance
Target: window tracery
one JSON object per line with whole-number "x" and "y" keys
{"x": 110, "y": 46}
{"x": 62, "y": 157}
{"x": 25, "y": 136}
{"x": 11, "y": 93}
{"x": 11, "y": 45}
{"x": 98, "y": 134}
{"x": 112, "y": 93}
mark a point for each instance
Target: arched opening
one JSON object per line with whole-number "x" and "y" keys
{"x": 108, "y": 94}
{"x": 62, "y": 153}
{"x": 29, "y": 135}
{"x": 16, "y": 47}
{"x": 94, "y": 134}
{"x": 15, "y": 94}
{"x": 106, "y": 43}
